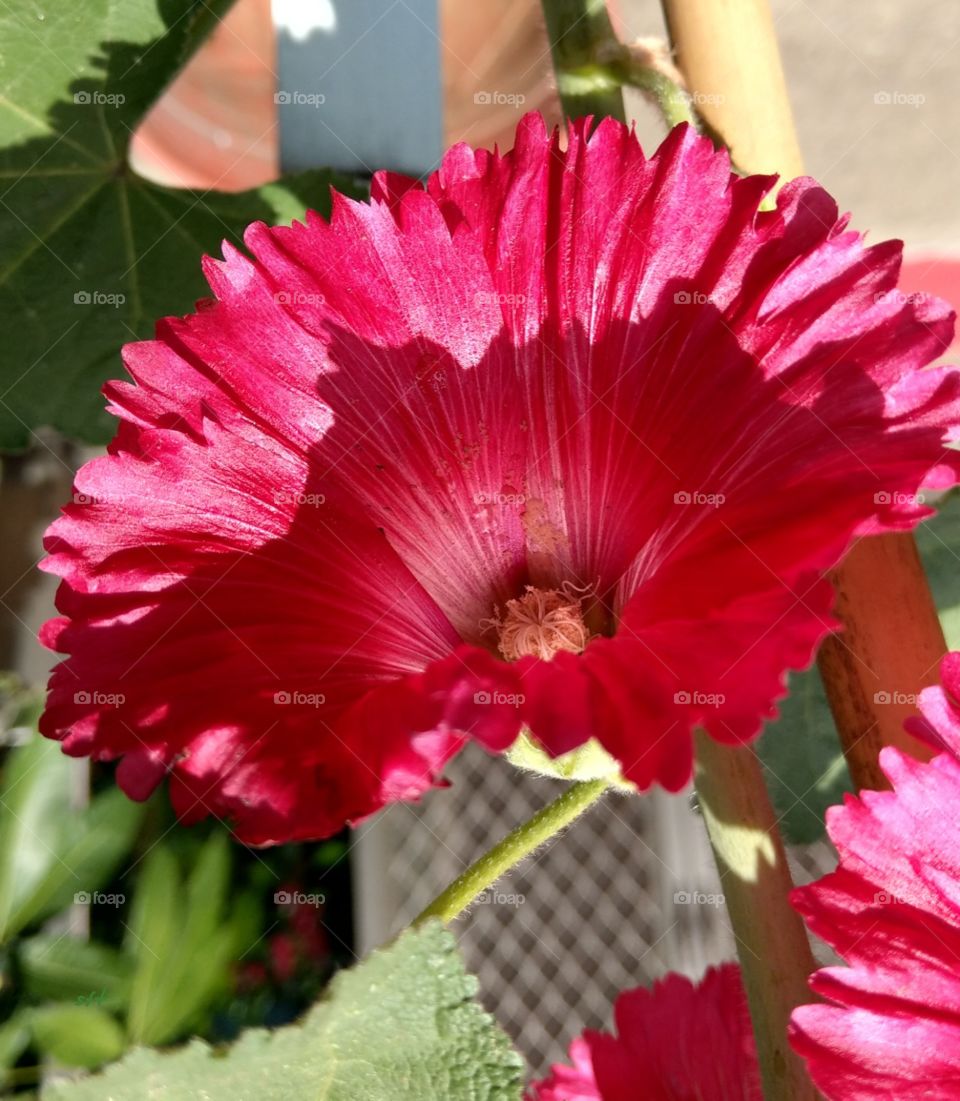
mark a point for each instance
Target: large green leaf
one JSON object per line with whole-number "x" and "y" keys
{"x": 801, "y": 754}
{"x": 90, "y": 253}
{"x": 402, "y": 1026}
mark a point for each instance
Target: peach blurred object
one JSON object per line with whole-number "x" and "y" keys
{"x": 215, "y": 126}
{"x": 499, "y": 50}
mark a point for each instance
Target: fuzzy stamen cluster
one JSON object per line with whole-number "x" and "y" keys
{"x": 540, "y": 624}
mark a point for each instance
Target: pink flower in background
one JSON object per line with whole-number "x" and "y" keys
{"x": 891, "y": 910}
{"x": 563, "y": 439}
{"x": 570, "y": 1083}
{"x": 678, "y": 1041}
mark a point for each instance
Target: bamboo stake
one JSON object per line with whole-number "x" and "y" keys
{"x": 772, "y": 944}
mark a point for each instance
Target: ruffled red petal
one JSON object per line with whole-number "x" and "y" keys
{"x": 683, "y": 1041}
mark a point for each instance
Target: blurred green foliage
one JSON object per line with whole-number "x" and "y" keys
{"x": 120, "y": 927}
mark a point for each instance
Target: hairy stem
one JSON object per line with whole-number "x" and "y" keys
{"x": 593, "y": 66}
{"x": 518, "y": 844}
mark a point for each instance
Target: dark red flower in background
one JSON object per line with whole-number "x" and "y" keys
{"x": 678, "y": 1041}
{"x": 891, "y": 1023}
{"x": 564, "y": 439}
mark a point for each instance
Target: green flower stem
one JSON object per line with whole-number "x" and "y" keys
{"x": 674, "y": 102}
{"x": 592, "y": 66}
{"x": 772, "y": 943}
{"x": 519, "y": 843}
{"x": 579, "y": 30}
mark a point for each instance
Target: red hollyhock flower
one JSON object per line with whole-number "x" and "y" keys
{"x": 682, "y": 1041}
{"x": 891, "y": 1027}
{"x": 584, "y": 406}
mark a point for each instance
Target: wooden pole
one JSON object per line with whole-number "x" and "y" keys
{"x": 727, "y": 51}
{"x": 890, "y": 648}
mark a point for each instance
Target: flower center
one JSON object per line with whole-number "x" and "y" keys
{"x": 540, "y": 624}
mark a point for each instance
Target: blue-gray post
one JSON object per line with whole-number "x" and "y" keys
{"x": 359, "y": 84}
